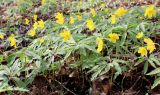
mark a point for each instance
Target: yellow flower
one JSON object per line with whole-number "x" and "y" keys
{"x": 148, "y": 41}
{"x": 113, "y": 19}
{"x": 150, "y": 12}
{"x": 120, "y": 12}
{"x": 139, "y": 35}
{"x": 100, "y": 44}
{"x": 43, "y": 2}
{"x": 32, "y": 33}
{"x": 12, "y": 40}
{"x": 1, "y": 36}
{"x": 79, "y": 17}
{"x": 106, "y": 10}
{"x": 150, "y": 45}
{"x": 90, "y": 24}
{"x": 59, "y": 18}
{"x": 41, "y": 40}
{"x": 71, "y": 20}
{"x": 26, "y": 21}
{"x": 35, "y": 25}
{"x": 142, "y": 51}
{"x": 41, "y": 24}
{"x": 35, "y": 18}
{"x": 93, "y": 12}
{"x": 66, "y": 35}
{"x": 102, "y": 5}
{"x": 113, "y": 37}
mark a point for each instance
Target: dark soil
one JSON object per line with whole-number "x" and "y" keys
{"x": 76, "y": 82}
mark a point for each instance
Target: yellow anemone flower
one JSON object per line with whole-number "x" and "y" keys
{"x": 150, "y": 45}
{"x": 102, "y": 5}
{"x": 1, "y": 36}
{"x": 41, "y": 24}
{"x": 35, "y": 25}
{"x": 100, "y": 44}
{"x": 12, "y": 40}
{"x": 120, "y": 12}
{"x": 26, "y": 21}
{"x": 150, "y": 12}
{"x": 71, "y": 20}
{"x": 139, "y": 35}
{"x": 113, "y": 19}
{"x": 32, "y": 33}
{"x": 93, "y": 12}
{"x": 113, "y": 37}
{"x": 66, "y": 35}
{"x": 148, "y": 41}
{"x": 41, "y": 40}
{"x": 59, "y": 18}
{"x": 35, "y": 18}
{"x": 106, "y": 10}
{"x": 142, "y": 51}
{"x": 90, "y": 24}
{"x": 43, "y": 2}
{"x": 79, "y": 17}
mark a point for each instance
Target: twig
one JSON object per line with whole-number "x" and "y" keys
{"x": 135, "y": 83}
{"x": 64, "y": 87}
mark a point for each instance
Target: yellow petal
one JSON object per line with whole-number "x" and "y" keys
{"x": 100, "y": 44}
{"x": 35, "y": 18}
{"x": 139, "y": 35}
{"x": 93, "y": 12}
{"x": 90, "y": 24}
{"x": 26, "y": 21}
{"x": 142, "y": 51}
{"x": 1, "y": 36}
{"x": 150, "y": 12}
{"x": 66, "y": 35}
{"x": 12, "y": 40}
{"x": 32, "y": 33}
{"x": 59, "y": 18}
{"x": 71, "y": 20}
{"x": 120, "y": 12}
{"x": 113, "y": 37}
{"x": 113, "y": 19}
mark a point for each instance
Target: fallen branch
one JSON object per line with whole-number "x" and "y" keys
{"x": 65, "y": 87}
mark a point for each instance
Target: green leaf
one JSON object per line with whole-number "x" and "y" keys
{"x": 68, "y": 54}
{"x": 94, "y": 76}
{"x": 117, "y": 67}
{"x": 151, "y": 63}
{"x": 33, "y": 54}
{"x": 19, "y": 82}
{"x": 156, "y": 83}
{"x": 142, "y": 26}
{"x": 89, "y": 47}
{"x": 116, "y": 75}
{"x": 83, "y": 51}
{"x": 1, "y": 58}
{"x": 139, "y": 61}
{"x": 123, "y": 39}
{"x": 93, "y": 69}
{"x": 145, "y": 68}
{"x": 106, "y": 69}
{"x": 155, "y": 71}
{"x": 153, "y": 58}
{"x": 11, "y": 58}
